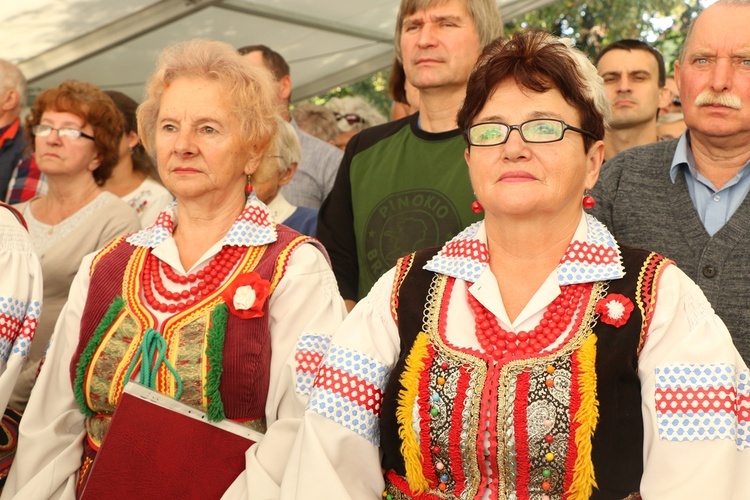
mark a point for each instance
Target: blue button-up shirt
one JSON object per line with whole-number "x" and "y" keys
{"x": 714, "y": 206}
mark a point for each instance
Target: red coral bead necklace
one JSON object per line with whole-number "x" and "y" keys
{"x": 205, "y": 281}
{"x": 502, "y": 345}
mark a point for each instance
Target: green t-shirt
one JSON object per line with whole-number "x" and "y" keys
{"x": 410, "y": 191}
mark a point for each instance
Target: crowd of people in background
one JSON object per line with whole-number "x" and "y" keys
{"x": 531, "y": 280}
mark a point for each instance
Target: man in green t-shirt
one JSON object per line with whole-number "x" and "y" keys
{"x": 404, "y": 185}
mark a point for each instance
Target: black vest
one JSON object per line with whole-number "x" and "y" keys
{"x": 617, "y": 442}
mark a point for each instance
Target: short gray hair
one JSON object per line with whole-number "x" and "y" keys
{"x": 355, "y": 105}
{"x": 12, "y": 78}
{"x": 286, "y": 145}
{"x": 719, "y": 3}
{"x": 318, "y": 121}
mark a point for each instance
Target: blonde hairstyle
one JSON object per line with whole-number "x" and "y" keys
{"x": 484, "y": 13}
{"x": 249, "y": 89}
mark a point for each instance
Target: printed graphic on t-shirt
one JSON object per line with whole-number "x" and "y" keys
{"x": 405, "y": 222}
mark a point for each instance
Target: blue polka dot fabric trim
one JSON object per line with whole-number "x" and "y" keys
{"x": 254, "y": 227}
{"x": 597, "y": 258}
{"x": 348, "y": 389}
{"x": 308, "y": 354}
{"x": 703, "y": 402}
{"x": 464, "y": 257}
{"x": 18, "y": 321}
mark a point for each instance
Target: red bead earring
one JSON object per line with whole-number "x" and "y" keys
{"x": 476, "y": 207}
{"x": 588, "y": 202}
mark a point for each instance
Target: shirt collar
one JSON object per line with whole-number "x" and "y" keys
{"x": 682, "y": 156}
{"x": 253, "y": 227}
{"x": 280, "y": 208}
{"x": 593, "y": 255}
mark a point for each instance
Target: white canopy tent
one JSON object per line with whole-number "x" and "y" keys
{"x": 114, "y": 43}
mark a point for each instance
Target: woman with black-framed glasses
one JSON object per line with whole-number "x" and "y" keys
{"x": 531, "y": 356}
{"x": 75, "y": 130}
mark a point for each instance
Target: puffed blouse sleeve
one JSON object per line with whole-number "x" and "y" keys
{"x": 336, "y": 452}
{"x": 695, "y": 399}
{"x": 50, "y": 442}
{"x": 20, "y": 300}
{"x": 304, "y": 312}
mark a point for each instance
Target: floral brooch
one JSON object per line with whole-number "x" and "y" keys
{"x": 614, "y": 309}
{"x": 247, "y": 295}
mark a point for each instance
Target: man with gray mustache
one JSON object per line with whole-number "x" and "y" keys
{"x": 688, "y": 198}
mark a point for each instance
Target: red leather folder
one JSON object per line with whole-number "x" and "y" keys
{"x": 156, "y": 447}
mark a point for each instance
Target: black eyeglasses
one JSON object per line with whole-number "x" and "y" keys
{"x": 70, "y": 133}
{"x": 536, "y": 131}
{"x": 351, "y": 118}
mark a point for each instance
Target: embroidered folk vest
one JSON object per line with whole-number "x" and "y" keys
{"x": 114, "y": 322}
{"x": 444, "y": 405}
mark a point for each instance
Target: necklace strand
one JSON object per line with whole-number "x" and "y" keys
{"x": 502, "y": 345}
{"x": 206, "y": 280}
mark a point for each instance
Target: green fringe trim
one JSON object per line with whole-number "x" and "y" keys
{"x": 83, "y": 363}
{"x": 215, "y": 354}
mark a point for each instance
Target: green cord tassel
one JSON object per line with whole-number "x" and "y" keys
{"x": 152, "y": 353}
{"x": 215, "y": 355}
{"x": 83, "y": 363}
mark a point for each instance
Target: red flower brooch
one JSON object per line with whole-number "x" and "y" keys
{"x": 247, "y": 295}
{"x": 614, "y": 309}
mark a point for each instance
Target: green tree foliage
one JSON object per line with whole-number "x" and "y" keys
{"x": 596, "y": 23}
{"x": 591, "y": 23}
{"x": 374, "y": 89}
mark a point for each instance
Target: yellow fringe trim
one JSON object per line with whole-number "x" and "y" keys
{"x": 587, "y": 416}
{"x": 406, "y": 400}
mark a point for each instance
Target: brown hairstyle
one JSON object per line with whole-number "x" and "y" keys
{"x": 95, "y": 108}
{"x": 630, "y": 45}
{"x": 484, "y": 13}
{"x": 141, "y": 160}
{"x": 249, "y": 87}
{"x": 397, "y": 82}
{"x": 539, "y": 62}
{"x": 272, "y": 60}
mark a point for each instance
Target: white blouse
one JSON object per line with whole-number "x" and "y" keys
{"x": 333, "y": 459}
{"x": 20, "y": 300}
{"x": 148, "y": 200}
{"x": 305, "y": 305}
